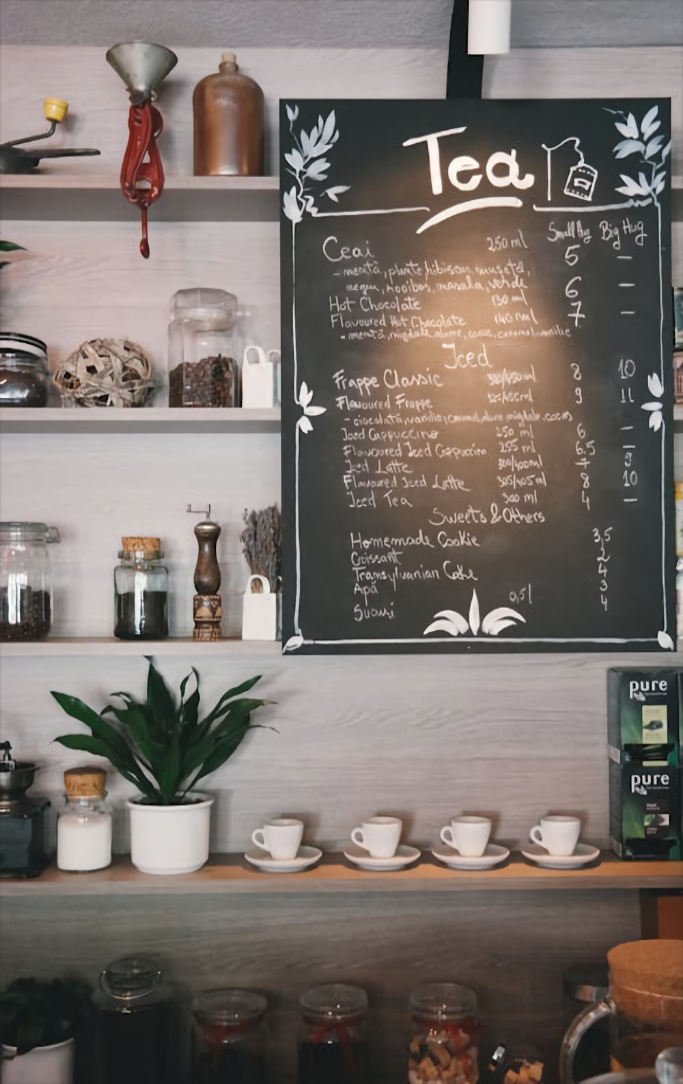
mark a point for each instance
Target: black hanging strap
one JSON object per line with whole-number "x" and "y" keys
{"x": 465, "y": 72}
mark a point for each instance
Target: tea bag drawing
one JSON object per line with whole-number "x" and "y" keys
{"x": 581, "y": 177}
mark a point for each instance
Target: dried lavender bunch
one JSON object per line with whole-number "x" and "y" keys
{"x": 261, "y": 543}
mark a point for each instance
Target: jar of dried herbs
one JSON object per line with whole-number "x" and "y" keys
{"x": 202, "y": 371}
{"x": 141, "y": 590}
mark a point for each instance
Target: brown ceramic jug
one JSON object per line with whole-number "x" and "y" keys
{"x": 228, "y": 123}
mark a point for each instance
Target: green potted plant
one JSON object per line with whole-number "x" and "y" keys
{"x": 39, "y": 1020}
{"x": 162, "y": 746}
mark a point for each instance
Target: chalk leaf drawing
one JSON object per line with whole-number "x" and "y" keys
{"x": 294, "y": 643}
{"x": 665, "y": 641}
{"x": 652, "y": 150}
{"x": 304, "y": 400}
{"x": 308, "y": 166}
{"x": 655, "y": 408}
{"x": 491, "y": 624}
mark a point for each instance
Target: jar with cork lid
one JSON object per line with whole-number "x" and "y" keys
{"x": 228, "y": 123}
{"x": 141, "y": 590}
{"x": 84, "y": 825}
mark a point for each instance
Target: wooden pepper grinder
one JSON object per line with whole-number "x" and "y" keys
{"x": 207, "y": 609}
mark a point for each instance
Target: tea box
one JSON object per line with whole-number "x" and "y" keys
{"x": 643, "y": 716}
{"x": 644, "y": 810}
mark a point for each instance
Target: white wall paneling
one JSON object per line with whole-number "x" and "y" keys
{"x": 359, "y": 24}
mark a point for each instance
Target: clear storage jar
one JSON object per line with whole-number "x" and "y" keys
{"x": 141, "y": 590}
{"x": 133, "y": 1024}
{"x": 25, "y": 584}
{"x": 23, "y": 371}
{"x": 202, "y": 370}
{"x": 228, "y": 1039}
{"x": 332, "y": 1042}
{"x": 443, "y": 1042}
{"x": 84, "y": 825}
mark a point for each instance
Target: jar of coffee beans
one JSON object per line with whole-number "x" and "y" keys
{"x": 23, "y": 371}
{"x": 141, "y": 590}
{"x": 25, "y": 588}
{"x": 202, "y": 371}
{"x": 332, "y": 1042}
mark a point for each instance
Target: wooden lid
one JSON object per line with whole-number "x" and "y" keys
{"x": 85, "y": 782}
{"x": 646, "y": 981}
{"x": 135, "y": 543}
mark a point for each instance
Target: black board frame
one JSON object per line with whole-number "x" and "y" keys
{"x": 300, "y": 640}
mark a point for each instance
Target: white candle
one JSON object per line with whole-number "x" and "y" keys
{"x": 489, "y": 27}
{"x": 83, "y": 842}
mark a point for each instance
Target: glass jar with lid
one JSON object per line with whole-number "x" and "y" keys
{"x": 332, "y": 1043}
{"x": 23, "y": 371}
{"x": 84, "y": 825}
{"x": 229, "y": 1038}
{"x": 25, "y": 584}
{"x": 202, "y": 347}
{"x": 443, "y": 1042}
{"x": 133, "y": 1024}
{"x": 141, "y": 590}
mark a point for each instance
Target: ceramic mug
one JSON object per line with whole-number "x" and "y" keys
{"x": 557, "y": 834}
{"x": 378, "y": 836}
{"x": 467, "y": 835}
{"x": 281, "y": 837}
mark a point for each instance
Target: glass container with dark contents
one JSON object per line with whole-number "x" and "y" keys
{"x": 22, "y": 819}
{"x": 141, "y": 590}
{"x": 202, "y": 371}
{"x": 133, "y": 1024}
{"x": 229, "y": 1038}
{"x": 23, "y": 371}
{"x": 332, "y": 1043}
{"x": 25, "y": 588}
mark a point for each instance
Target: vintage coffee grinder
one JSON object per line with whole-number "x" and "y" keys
{"x": 142, "y": 66}
{"x": 207, "y": 607}
{"x": 22, "y": 819}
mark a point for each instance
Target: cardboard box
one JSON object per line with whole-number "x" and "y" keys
{"x": 644, "y": 811}
{"x": 643, "y": 716}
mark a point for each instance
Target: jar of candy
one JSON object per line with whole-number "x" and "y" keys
{"x": 202, "y": 370}
{"x": 229, "y": 1038}
{"x": 443, "y": 1043}
{"x": 332, "y": 1044}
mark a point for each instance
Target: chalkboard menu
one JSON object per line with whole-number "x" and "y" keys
{"x": 476, "y": 378}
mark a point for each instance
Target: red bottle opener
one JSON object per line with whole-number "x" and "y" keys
{"x": 142, "y": 174}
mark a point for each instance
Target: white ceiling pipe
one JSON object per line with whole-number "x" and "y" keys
{"x": 489, "y": 26}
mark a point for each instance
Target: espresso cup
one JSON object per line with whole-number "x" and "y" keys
{"x": 557, "y": 834}
{"x": 281, "y": 837}
{"x": 467, "y": 835}
{"x": 378, "y": 836}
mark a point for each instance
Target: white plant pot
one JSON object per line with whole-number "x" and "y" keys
{"x": 259, "y": 610}
{"x": 170, "y": 838}
{"x": 43, "y": 1065}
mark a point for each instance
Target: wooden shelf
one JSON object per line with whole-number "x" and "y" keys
{"x": 108, "y": 645}
{"x": 232, "y": 874}
{"x": 87, "y": 197}
{"x": 139, "y": 420}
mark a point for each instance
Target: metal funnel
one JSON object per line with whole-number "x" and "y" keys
{"x": 142, "y": 66}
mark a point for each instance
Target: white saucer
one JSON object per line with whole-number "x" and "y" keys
{"x": 306, "y": 857}
{"x": 583, "y": 854}
{"x": 492, "y": 856}
{"x": 403, "y": 857}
